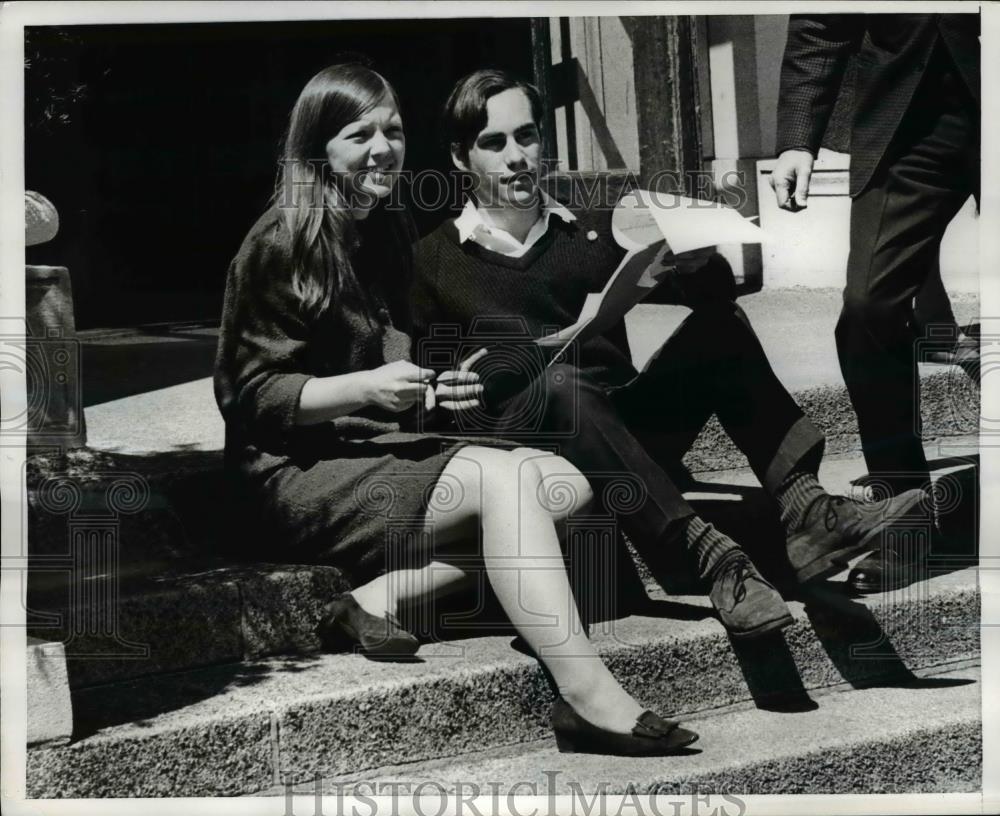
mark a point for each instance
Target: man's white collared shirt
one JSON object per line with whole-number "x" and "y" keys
{"x": 472, "y": 226}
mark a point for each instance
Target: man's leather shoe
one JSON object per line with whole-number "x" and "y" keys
{"x": 962, "y": 350}
{"x": 836, "y": 529}
{"x": 896, "y": 565}
{"x": 747, "y": 604}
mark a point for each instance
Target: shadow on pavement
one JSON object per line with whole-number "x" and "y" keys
{"x": 148, "y": 362}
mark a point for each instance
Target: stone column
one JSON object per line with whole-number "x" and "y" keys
{"x": 667, "y": 103}
{"x": 50, "y": 708}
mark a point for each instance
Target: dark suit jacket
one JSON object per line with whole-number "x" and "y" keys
{"x": 893, "y": 51}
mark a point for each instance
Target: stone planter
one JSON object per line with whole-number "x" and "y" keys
{"x": 52, "y": 361}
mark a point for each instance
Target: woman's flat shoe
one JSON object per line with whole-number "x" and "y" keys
{"x": 651, "y": 736}
{"x": 345, "y": 623}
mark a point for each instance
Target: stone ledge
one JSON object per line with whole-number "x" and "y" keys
{"x": 339, "y": 714}
{"x": 855, "y": 742}
{"x": 168, "y": 623}
{"x": 186, "y": 510}
{"x": 50, "y": 711}
{"x": 949, "y": 405}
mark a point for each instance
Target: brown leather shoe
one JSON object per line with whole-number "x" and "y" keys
{"x": 896, "y": 565}
{"x": 747, "y": 604}
{"x": 836, "y": 529}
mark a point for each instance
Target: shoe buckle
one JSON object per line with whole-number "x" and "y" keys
{"x": 650, "y": 724}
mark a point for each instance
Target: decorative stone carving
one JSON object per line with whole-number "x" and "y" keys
{"x": 41, "y": 221}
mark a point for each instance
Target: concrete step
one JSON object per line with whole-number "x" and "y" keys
{"x": 922, "y": 737}
{"x": 147, "y": 609}
{"x": 158, "y": 622}
{"x": 242, "y": 728}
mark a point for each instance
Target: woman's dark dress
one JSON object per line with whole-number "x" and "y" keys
{"x": 351, "y": 492}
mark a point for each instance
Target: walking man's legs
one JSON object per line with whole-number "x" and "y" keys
{"x": 897, "y": 224}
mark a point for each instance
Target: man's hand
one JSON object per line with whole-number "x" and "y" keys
{"x": 790, "y": 179}
{"x": 457, "y": 390}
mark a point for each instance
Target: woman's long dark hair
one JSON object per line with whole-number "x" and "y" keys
{"x": 322, "y": 228}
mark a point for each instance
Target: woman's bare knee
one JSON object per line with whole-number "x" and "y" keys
{"x": 471, "y": 478}
{"x": 455, "y": 503}
{"x": 478, "y": 476}
{"x": 563, "y": 489}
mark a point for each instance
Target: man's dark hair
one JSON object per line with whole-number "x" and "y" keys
{"x": 465, "y": 111}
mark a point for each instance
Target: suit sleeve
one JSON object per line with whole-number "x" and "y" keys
{"x": 261, "y": 362}
{"x": 816, "y": 54}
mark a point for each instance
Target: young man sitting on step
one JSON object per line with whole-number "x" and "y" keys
{"x": 516, "y": 257}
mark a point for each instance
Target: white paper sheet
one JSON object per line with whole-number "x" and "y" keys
{"x": 652, "y": 227}
{"x": 686, "y": 223}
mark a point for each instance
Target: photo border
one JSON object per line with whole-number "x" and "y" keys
{"x": 15, "y": 16}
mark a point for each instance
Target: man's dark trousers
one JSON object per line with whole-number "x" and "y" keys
{"x": 712, "y": 364}
{"x": 897, "y": 223}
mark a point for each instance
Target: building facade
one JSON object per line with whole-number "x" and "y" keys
{"x": 158, "y": 143}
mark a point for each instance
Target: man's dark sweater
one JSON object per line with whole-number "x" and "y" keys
{"x": 466, "y": 296}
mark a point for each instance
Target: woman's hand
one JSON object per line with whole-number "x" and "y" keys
{"x": 397, "y": 386}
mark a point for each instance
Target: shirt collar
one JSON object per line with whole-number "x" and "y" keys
{"x": 471, "y": 219}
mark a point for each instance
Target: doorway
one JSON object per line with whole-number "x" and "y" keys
{"x": 157, "y": 143}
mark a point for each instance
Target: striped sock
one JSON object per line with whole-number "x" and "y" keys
{"x": 706, "y": 545}
{"x": 795, "y": 495}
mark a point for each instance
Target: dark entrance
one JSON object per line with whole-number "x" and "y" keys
{"x": 157, "y": 143}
